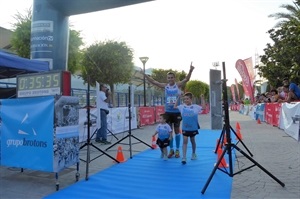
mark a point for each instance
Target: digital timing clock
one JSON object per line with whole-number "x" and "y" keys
{"x": 43, "y": 84}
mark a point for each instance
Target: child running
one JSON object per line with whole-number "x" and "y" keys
{"x": 189, "y": 113}
{"x": 164, "y": 132}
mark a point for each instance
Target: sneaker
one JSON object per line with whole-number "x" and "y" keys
{"x": 183, "y": 161}
{"x": 105, "y": 142}
{"x": 165, "y": 157}
{"x": 194, "y": 156}
{"x": 99, "y": 141}
{"x": 177, "y": 154}
{"x": 161, "y": 155}
{"x": 171, "y": 153}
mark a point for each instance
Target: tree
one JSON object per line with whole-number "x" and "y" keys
{"x": 108, "y": 62}
{"x": 160, "y": 75}
{"x": 197, "y": 88}
{"x": 282, "y": 59}
{"x": 21, "y": 40}
{"x": 21, "y": 34}
{"x": 75, "y": 55}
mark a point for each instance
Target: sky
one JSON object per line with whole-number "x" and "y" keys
{"x": 174, "y": 33}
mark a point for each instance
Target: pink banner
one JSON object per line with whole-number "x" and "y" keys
{"x": 247, "y": 85}
{"x": 232, "y": 93}
{"x": 158, "y": 111}
{"x": 237, "y": 89}
{"x": 146, "y": 116}
{"x": 249, "y": 65}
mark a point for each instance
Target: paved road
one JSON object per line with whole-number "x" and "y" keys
{"x": 271, "y": 147}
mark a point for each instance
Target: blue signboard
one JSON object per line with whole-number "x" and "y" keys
{"x": 27, "y": 141}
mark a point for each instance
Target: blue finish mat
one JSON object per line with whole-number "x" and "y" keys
{"x": 146, "y": 175}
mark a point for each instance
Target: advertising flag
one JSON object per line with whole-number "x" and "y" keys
{"x": 249, "y": 65}
{"x": 247, "y": 85}
{"x": 237, "y": 89}
{"x": 233, "y": 93}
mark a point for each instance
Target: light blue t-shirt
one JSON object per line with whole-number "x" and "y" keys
{"x": 293, "y": 87}
{"x": 171, "y": 94}
{"x": 189, "y": 114}
{"x": 163, "y": 131}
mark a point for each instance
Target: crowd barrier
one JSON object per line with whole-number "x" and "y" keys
{"x": 118, "y": 119}
{"x": 150, "y": 115}
{"x": 282, "y": 115}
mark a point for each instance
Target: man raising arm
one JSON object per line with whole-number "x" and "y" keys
{"x": 172, "y": 90}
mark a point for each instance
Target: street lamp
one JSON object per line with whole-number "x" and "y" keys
{"x": 144, "y": 60}
{"x": 215, "y": 64}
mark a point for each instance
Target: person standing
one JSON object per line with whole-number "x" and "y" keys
{"x": 103, "y": 96}
{"x": 164, "y": 132}
{"x": 172, "y": 89}
{"x": 190, "y": 125}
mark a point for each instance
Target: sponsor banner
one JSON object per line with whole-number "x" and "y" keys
{"x": 288, "y": 121}
{"x": 42, "y": 40}
{"x": 117, "y": 121}
{"x": 28, "y": 138}
{"x": 247, "y": 85}
{"x": 66, "y": 147}
{"x": 146, "y": 115}
{"x": 159, "y": 110}
{"x": 272, "y": 113}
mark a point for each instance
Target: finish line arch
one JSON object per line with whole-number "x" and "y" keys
{"x": 50, "y": 26}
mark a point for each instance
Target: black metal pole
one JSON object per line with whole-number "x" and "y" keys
{"x": 144, "y": 82}
{"x": 88, "y": 130}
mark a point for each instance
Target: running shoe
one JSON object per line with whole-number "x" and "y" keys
{"x": 165, "y": 157}
{"x": 194, "y": 156}
{"x": 177, "y": 154}
{"x": 105, "y": 142}
{"x": 171, "y": 153}
{"x": 183, "y": 161}
{"x": 161, "y": 155}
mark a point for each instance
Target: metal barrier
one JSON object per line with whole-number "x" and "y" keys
{"x": 121, "y": 99}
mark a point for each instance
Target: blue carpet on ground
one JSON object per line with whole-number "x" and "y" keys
{"x": 146, "y": 175}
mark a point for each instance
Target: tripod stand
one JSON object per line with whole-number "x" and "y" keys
{"x": 229, "y": 146}
{"x": 88, "y": 143}
{"x": 93, "y": 121}
{"x": 223, "y": 136}
{"x": 129, "y": 135}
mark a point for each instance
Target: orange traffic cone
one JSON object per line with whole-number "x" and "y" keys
{"x": 218, "y": 147}
{"x": 120, "y": 155}
{"x": 223, "y": 163}
{"x": 238, "y": 135}
{"x": 154, "y": 146}
{"x": 238, "y": 126}
{"x": 258, "y": 121}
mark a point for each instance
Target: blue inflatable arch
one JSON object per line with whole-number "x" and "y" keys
{"x": 50, "y": 26}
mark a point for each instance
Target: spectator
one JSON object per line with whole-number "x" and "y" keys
{"x": 294, "y": 91}
{"x": 284, "y": 96}
{"x": 274, "y": 95}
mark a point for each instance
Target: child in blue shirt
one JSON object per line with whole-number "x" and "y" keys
{"x": 164, "y": 132}
{"x": 189, "y": 113}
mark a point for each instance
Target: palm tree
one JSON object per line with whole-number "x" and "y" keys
{"x": 293, "y": 15}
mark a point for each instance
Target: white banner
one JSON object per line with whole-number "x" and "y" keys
{"x": 117, "y": 121}
{"x": 288, "y": 111}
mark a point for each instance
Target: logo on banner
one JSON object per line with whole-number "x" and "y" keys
{"x": 26, "y": 130}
